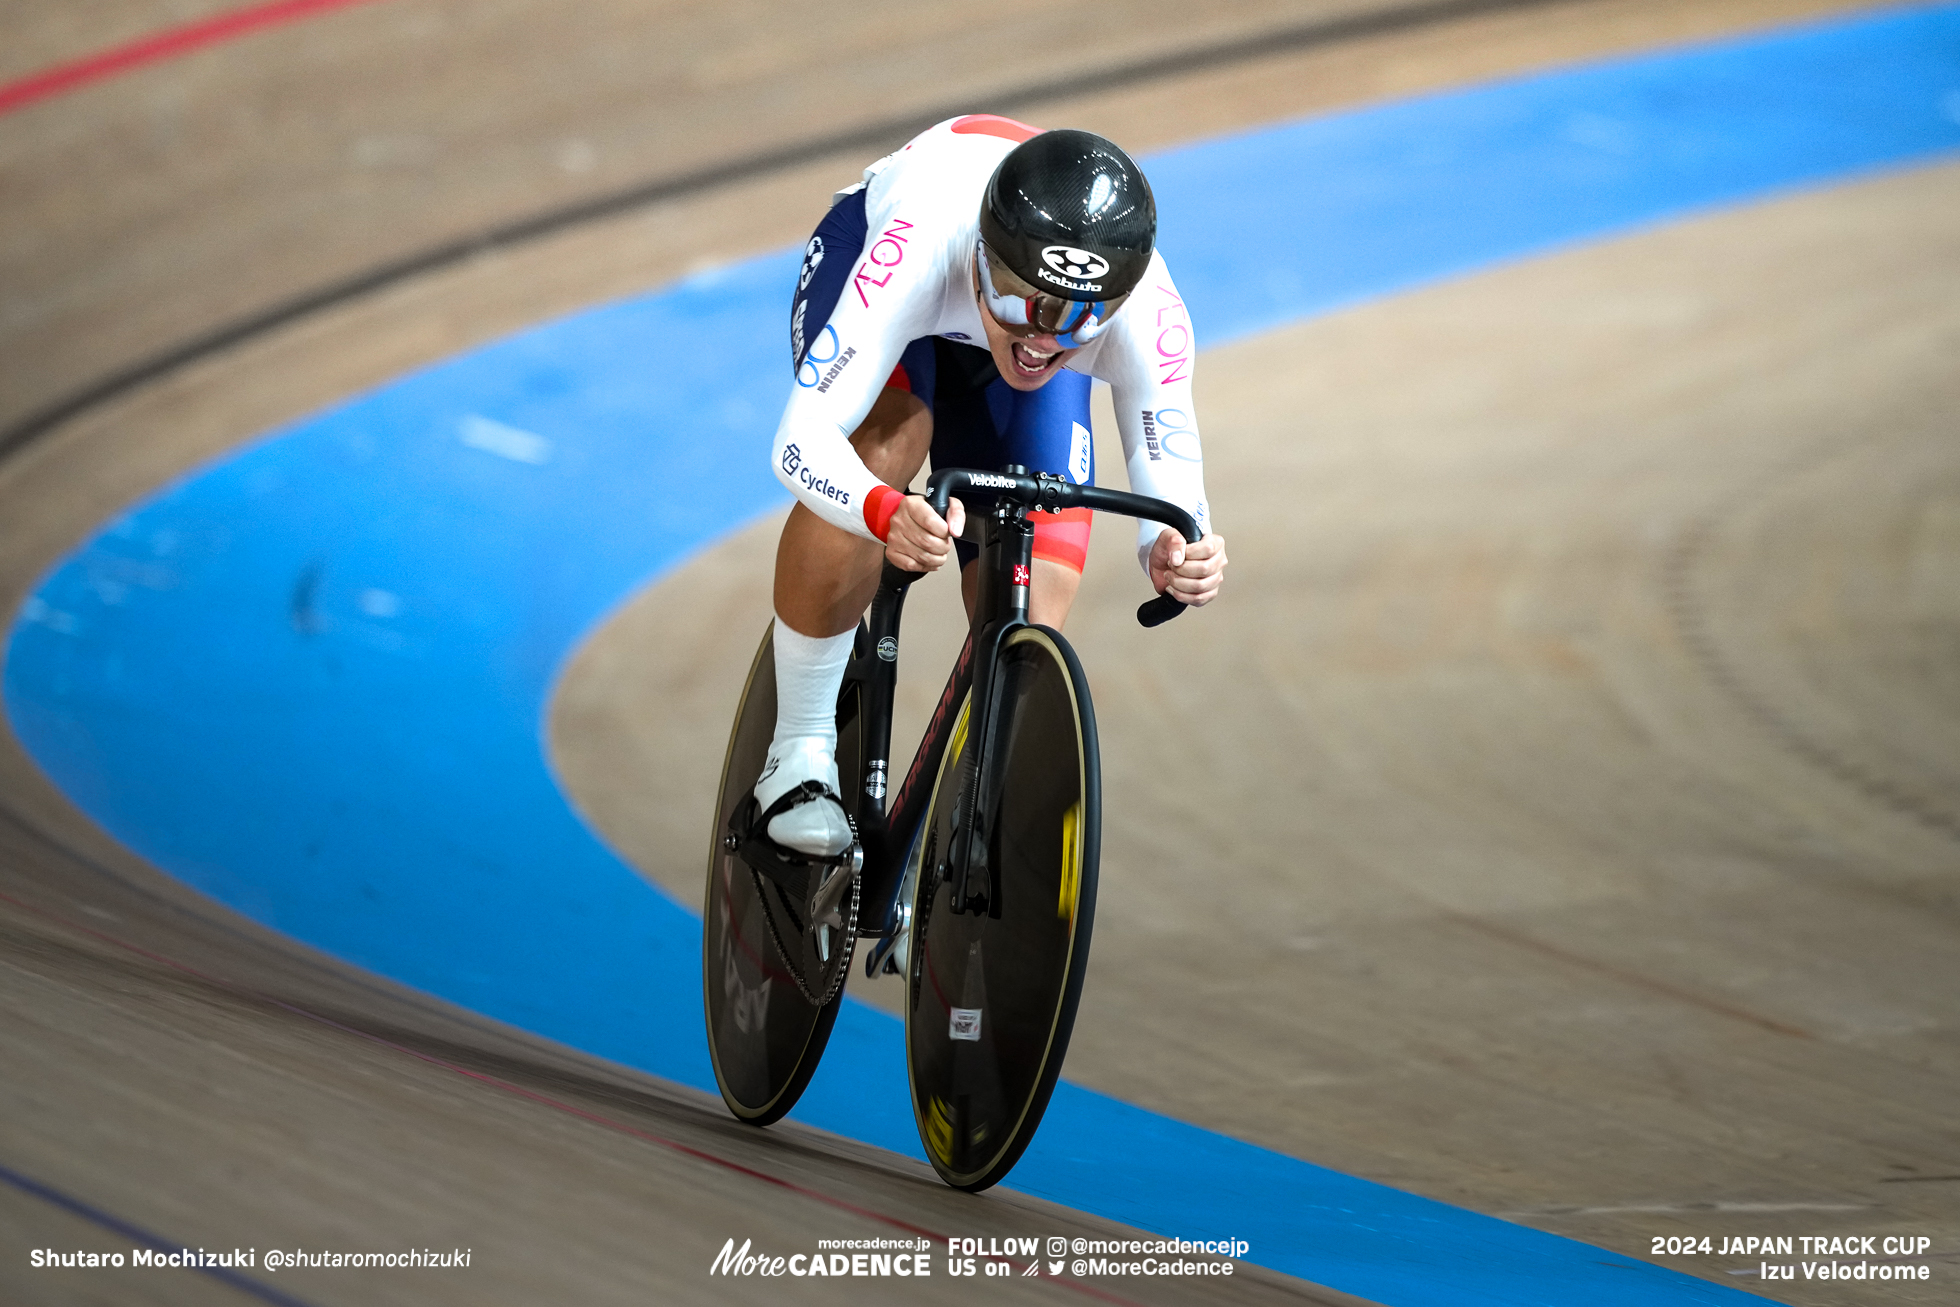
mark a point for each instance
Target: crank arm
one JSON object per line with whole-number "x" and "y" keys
{"x": 825, "y": 907}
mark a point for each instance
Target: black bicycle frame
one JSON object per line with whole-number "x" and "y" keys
{"x": 1001, "y": 604}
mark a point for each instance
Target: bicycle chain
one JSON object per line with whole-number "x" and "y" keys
{"x": 762, "y": 887}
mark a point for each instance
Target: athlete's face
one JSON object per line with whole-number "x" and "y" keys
{"x": 1025, "y": 362}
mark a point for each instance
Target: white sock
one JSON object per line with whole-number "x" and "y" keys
{"x": 809, "y": 672}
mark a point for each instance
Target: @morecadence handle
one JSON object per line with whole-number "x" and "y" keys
{"x": 1050, "y": 493}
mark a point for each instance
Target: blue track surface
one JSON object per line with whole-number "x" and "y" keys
{"x": 309, "y": 679}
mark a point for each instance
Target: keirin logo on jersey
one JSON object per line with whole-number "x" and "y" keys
{"x": 1079, "y": 265}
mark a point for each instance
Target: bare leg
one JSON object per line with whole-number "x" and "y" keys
{"x": 1050, "y": 596}
{"x": 825, "y": 576}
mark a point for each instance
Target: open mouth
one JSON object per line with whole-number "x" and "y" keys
{"x": 1031, "y": 362}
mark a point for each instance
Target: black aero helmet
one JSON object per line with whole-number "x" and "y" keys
{"x": 1071, "y": 214}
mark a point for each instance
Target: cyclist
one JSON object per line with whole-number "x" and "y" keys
{"x": 958, "y": 301}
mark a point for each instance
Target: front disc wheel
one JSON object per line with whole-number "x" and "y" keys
{"x": 992, "y": 992}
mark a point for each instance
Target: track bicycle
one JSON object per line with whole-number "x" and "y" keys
{"x": 977, "y": 883}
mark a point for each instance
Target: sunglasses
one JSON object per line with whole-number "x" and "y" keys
{"x": 1027, "y": 311}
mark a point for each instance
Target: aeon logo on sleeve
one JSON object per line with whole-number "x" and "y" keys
{"x": 887, "y": 252}
{"x": 812, "y": 256}
{"x": 1080, "y": 265}
{"x": 1173, "y": 339}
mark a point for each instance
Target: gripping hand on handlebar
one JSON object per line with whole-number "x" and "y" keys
{"x": 1190, "y": 573}
{"x": 920, "y": 540}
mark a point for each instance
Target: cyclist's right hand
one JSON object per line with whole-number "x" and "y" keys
{"x": 918, "y": 539}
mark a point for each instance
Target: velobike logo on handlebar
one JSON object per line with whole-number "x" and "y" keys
{"x": 989, "y": 481}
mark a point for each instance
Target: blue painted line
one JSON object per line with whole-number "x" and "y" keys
{"x": 309, "y": 678}
{"x": 137, "y": 1234}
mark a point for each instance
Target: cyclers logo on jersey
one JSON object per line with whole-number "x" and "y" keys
{"x": 816, "y": 485}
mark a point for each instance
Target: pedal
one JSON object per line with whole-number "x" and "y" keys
{"x": 800, "y": 874}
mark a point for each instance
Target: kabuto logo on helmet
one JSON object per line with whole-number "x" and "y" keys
{"x": 1071, "y": 262}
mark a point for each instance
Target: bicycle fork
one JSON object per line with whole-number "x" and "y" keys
{"x": 1006, "y": 563}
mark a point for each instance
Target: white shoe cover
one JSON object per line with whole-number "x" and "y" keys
{"x": 817, "y": 828}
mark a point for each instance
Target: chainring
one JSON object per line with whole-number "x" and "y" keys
{"x": 826, "y": 978}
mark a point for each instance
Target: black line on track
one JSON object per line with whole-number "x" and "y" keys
{"x": 573, "y": 1070}
{"x": 95, "y": 1215}
{"x": 884, "y": 134}
{"x": 1691, "y": 623}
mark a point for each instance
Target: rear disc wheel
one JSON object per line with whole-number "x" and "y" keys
{"x": 771, "y": 980}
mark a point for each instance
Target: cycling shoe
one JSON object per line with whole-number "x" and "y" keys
{"x": 812, "y": 820}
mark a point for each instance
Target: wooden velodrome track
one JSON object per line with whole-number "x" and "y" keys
{"x": 1577, "y": 838}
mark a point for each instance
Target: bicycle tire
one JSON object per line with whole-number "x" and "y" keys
{"x": 991, "y": 999}
{"x": 764, "y": 1037}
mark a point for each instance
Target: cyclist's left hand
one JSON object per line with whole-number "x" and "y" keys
{"x": 1191, "y": 573}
